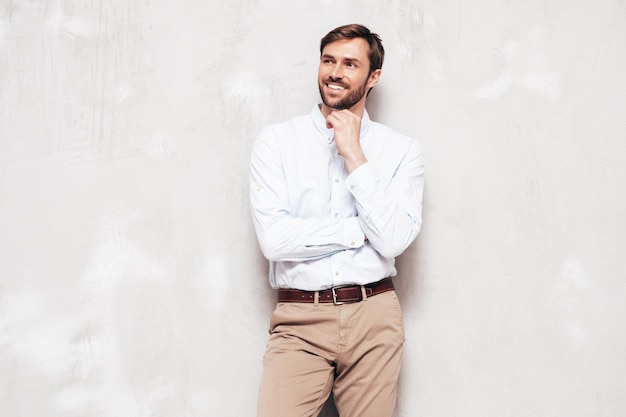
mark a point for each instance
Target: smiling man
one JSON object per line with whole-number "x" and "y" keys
{"x": 335, "y": 198}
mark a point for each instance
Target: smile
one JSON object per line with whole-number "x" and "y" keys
{"x": 335, "y": 87}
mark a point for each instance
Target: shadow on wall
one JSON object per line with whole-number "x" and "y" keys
{"x": 374, "y": 104}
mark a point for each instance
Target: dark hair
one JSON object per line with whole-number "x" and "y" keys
{"x": 376, "y": 53}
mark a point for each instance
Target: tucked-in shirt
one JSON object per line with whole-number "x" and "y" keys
{"x": 321, "y": 227}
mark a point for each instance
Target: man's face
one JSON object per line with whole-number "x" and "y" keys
{"x": 344, "y": 73}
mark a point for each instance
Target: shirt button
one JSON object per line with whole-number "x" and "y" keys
{"x": 352, "y": 243}
{"x": 352, "y": 187}
{"x": 336, "y": 214}
{"x": 337, "y": 273}
{"x": 336, "y": 180}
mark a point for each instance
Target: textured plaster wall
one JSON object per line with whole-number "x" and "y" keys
{"x": 131, "y": 284}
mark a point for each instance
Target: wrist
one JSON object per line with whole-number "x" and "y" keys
{"x": 353, "y": 161}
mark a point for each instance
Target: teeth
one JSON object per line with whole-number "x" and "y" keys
{"x": 335, "y": 86}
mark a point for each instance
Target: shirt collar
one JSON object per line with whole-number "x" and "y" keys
{"x": 320, "y": 123}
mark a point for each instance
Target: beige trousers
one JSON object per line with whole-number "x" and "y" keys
{"x": 353, "y": 350}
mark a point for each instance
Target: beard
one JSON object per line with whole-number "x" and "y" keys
{"x": 348, "y": 101}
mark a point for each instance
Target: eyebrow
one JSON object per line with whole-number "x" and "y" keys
{"x": 328, "y": 56}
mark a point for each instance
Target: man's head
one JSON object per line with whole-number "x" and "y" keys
{"x": 351, "y": 58}
{"x": 376, "y": 53}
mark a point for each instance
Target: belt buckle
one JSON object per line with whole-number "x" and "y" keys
{"x": 334, "y": 292}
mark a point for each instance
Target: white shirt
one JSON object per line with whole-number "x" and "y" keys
{"x": 320, "y": 227}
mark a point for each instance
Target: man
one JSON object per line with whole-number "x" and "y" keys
{"x": 335, "y": 198}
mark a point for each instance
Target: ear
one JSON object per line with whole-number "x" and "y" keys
{"x": 373, "y": 78}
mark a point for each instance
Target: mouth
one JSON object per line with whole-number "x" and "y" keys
{"x": 335, "y": 86}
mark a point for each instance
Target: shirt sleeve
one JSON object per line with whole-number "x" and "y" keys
{"x": 283, "y": 236}
{"x": 390, "y": 216}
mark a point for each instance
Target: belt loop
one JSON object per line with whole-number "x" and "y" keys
{"x": 316, "y": 297}
{"x": 363, "y": 293}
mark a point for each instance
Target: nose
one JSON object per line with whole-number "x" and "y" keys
{"x": 336, "y": 72}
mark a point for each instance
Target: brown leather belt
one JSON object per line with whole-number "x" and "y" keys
{"x": 335, "y": 295}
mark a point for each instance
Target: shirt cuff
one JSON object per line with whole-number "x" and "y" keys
{"x": 361, "y": 180}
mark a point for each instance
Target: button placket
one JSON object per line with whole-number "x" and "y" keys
{"x": 336, "y": 185}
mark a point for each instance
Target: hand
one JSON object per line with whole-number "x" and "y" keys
{"x": 347, "y": 126}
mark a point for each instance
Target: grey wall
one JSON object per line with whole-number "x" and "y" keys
{"x": 130, "y": 279}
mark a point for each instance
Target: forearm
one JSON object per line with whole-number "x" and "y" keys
{"x": 391, "y": 228}
{"x": 391, "y": 215}
{"x": 284, "y": 238}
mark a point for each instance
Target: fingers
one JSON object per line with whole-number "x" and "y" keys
{"x": 347, "y": 126}
{"x": 340, "y": 118}
{"x": 343, "y": 121}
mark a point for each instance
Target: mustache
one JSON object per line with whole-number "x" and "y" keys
{"x": 335, "y": 81}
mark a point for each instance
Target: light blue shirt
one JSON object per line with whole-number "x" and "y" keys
{"x": 320, "y": 227}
